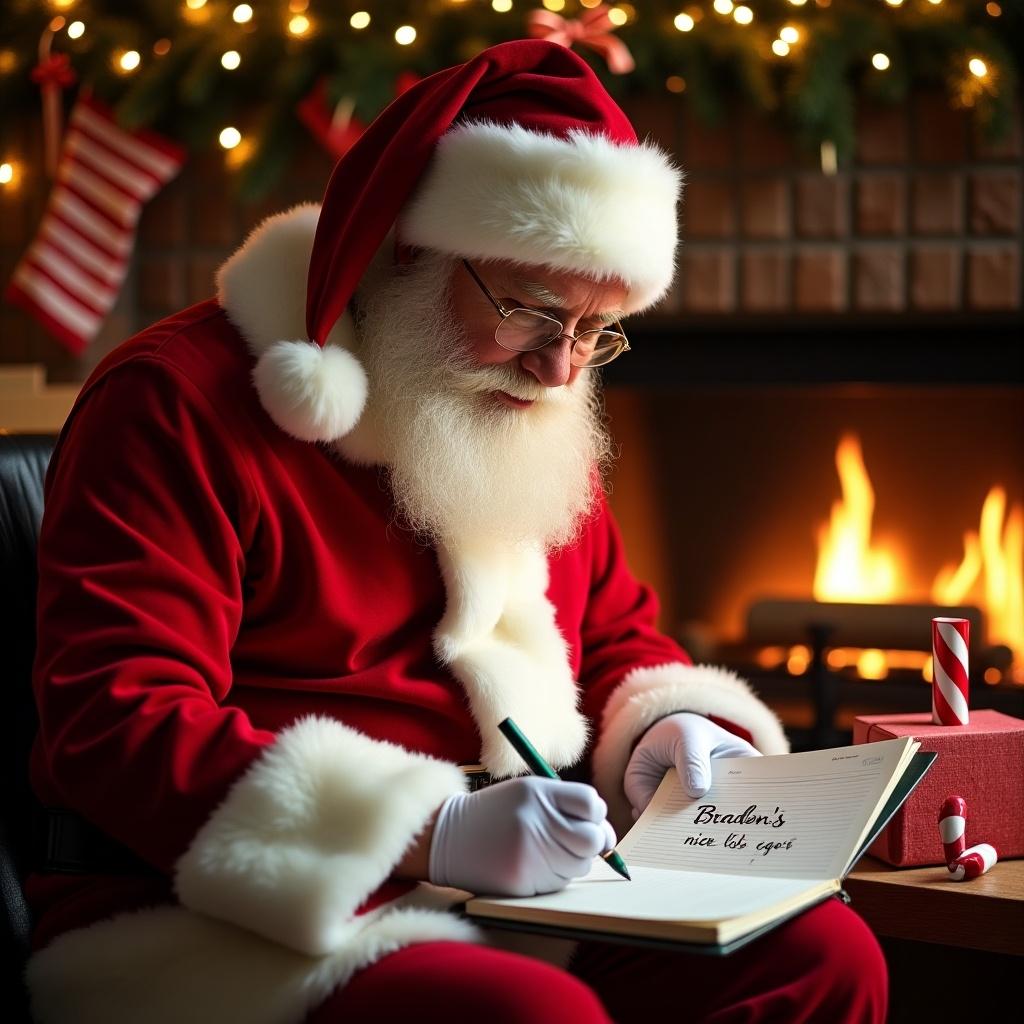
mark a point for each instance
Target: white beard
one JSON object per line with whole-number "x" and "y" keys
{"x": 464, "y": 469}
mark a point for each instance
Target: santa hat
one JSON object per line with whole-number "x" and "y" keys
{"x": 518, "y": 154}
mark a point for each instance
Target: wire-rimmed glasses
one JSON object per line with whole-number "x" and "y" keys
{"x": 526, "y": 330}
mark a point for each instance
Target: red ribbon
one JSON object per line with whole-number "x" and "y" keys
{"x": 593, "y": 28}
{"x": 55, "y": 71}
{"x": 338, "y": 130}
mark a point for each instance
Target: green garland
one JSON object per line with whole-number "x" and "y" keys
{"x": 814, "y": 90}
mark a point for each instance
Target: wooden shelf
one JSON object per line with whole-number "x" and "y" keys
{"x": 685, "y": 351}
{"x": 922, "y": 904}
{"x": 28, "y": 405}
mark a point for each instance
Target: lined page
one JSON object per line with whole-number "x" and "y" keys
{"x": 786, "y": 816}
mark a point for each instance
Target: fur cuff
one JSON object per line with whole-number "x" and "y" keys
{"x": 167, "y": 965}
{"x": 647, "y": 694}
{"x": 309, "y": 832}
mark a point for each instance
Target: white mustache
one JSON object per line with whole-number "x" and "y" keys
{"x": 483, "y": 380}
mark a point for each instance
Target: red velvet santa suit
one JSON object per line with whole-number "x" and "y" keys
{"x": 206, "y": 583}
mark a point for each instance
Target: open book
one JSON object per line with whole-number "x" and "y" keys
{"x": 771, "y": 837}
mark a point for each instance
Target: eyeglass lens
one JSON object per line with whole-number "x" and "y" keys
{"x": 524, "y": 330}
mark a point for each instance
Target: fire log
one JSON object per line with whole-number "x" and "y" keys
{"x": 903, "y": 627}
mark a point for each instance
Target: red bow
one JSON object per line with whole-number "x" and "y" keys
{"x": 338, "y": 130}
{"x": 593, "y": 28}
{"x": 55, "y": 70}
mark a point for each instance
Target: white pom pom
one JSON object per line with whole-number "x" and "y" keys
{"x": 312, "y": 393}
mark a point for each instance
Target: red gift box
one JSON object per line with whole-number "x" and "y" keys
{"x": 982, "y": 761}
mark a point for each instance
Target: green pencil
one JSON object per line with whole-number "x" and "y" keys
{"x": 528, "y": 752}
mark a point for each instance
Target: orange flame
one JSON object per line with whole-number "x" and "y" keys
{"x": 849, "y": 568}
{"x": 995, "y": 552}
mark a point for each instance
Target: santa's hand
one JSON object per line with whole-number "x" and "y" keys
{"x": 687, "y": 742}
{"x": 520, "y": 837}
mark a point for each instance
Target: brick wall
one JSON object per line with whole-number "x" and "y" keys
{"x": 927, "y": 219}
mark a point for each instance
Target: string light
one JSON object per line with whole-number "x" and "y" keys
{"x": 993, "y": 10}
{"x": 789, "y": 34}
{"x": 162, "y": 47}
{"x": 8, "y": 61}
{"x": 977, "y": 67}
{"x": 196, "y": 12}
{"x": 880, "y": 61}
{"x": 617, "y": 16}
{"x": 502, "y": 6}
{"x": 56, "y": 24}
{"x": 683, "y": 22}
{"x": 743, "y": 15}
{"x": 829, "y": 157}
{"x": 76, "y": 30}
{"x": 6, "y": 173}
{"x": 129, "y": 60}
{"x": 360, "y": 19}
{"x": 798, "y": 3}
{"x": 675, "y": 83}
{"x": 299, "y": 25}
{"x": 242, "y": 14}
{"x": 555, "y": 5}
{"x": 62, "y": 5}
{"x": 229, "y": 137}
{"x": 591, "y": 3}
{"x": 404, "y": 35}
{"x": 894, "y": 3}
{"x": 723, "y": 6}
{"x": 780, "y": 47}
{"x": 230, "y": 59}
{"x": 298, "y": 6}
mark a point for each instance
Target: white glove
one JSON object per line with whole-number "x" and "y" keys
{"x": 686, "y": 741}
{"x": 520, "y": 837}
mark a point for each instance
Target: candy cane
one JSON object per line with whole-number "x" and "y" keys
{"x": 949, "y": 669}
{"x": 952, "y": 826}
{"x": 973, "y": 862}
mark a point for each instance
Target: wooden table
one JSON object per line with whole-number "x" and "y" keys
{"x": 986, "y": 913}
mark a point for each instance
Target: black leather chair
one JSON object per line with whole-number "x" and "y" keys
{"x": 23, "y": 461}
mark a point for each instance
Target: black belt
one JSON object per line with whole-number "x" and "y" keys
{"x": 67, "y": 843}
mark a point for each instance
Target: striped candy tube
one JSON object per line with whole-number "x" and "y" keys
{"x": 952, "y": 825}
{"x": 974, "y": 861}
{"x": 949, "y": 670}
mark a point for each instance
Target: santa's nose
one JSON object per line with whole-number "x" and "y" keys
{"x": 551, "y": 364}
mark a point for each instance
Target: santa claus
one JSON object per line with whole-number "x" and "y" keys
{"x": 306, "y": 545}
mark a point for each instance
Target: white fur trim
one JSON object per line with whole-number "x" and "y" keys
{"x": 500, "y": 640}
{"x": 167, "y": 965}
{"x": 312, "y": 394}
{"x": 582, "y": 203}
{"x": 647, "y": 694}
{"x": 309, "y": 832}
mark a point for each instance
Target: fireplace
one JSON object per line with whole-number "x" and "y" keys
{"x": 728, "y": 487}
